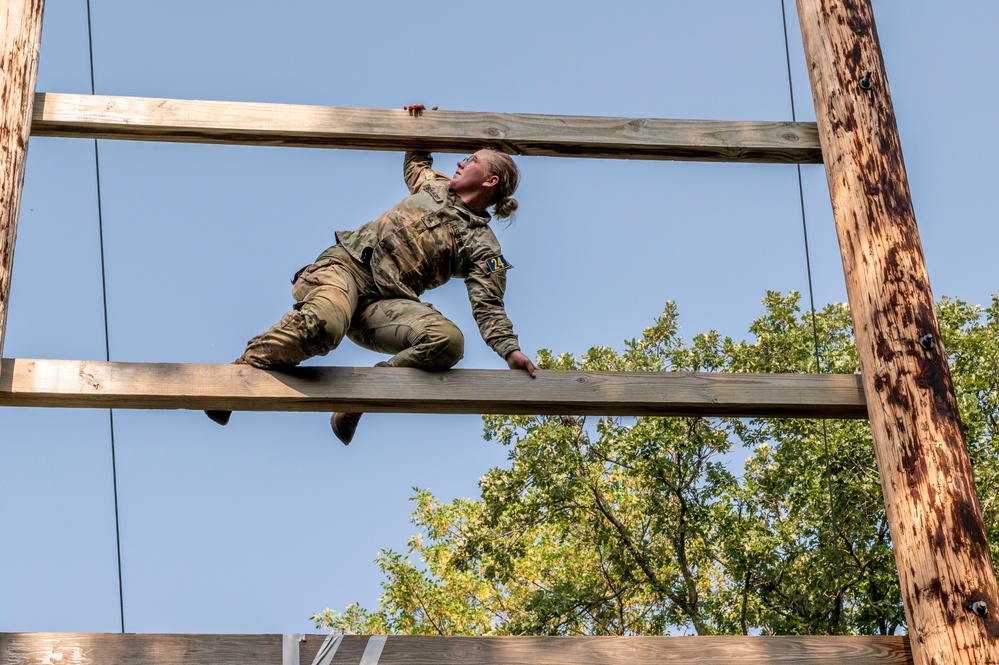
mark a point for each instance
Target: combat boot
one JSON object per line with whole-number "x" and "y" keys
{"x": 222, "y": 417}
{"x": 344, "y": 424}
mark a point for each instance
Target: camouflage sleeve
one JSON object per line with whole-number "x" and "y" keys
{"x": 415, "y": 169}
{"x": 486, "y": 287}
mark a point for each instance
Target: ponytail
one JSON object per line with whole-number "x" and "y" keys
{"x": 505, "y": 207}
{"x": 503, "y": 167}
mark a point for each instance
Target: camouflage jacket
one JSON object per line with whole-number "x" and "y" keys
{"x": 430, "y": 237}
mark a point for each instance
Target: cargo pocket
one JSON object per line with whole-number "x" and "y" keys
{"x": 307, "y": 279}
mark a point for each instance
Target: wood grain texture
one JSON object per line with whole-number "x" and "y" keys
{"x": 139, "y": 649}
{"x": 95, "y": 384}
{"x": 936, "y": 523}
{"x": 246, "y": 123}
{"x": 20, "y": 36}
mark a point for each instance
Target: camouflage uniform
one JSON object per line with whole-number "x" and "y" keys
{"x": 367, "y": 286}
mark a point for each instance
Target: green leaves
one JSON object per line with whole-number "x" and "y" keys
{"x": 616, "y": 526}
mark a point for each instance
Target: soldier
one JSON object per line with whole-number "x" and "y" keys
{"x": 367, "y": 286}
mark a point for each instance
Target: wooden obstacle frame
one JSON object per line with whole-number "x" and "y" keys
{"x": 948, "y": 588}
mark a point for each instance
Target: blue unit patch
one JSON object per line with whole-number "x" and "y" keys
{"x": 497, "y": 263}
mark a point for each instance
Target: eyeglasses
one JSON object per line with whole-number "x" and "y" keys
{"x": 470, "y": 159}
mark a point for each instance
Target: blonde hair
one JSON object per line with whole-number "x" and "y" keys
{"x": 502, "y": 166}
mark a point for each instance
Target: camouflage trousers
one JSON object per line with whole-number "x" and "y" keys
{"x": 335, "y": 297}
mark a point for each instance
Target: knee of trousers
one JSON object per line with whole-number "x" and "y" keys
{"x": 313, "y": 328}
{"x": 332, "y": 310}
{"x": 437, "y": 344}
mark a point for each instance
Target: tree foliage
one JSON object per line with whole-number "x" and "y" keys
{"x": 620, "y": 526}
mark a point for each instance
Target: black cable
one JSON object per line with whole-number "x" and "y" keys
{"x": 815, "y": 338}
{"x": 107, "y": 336}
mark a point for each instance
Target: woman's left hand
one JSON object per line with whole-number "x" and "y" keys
{"x": 517, "y": 360}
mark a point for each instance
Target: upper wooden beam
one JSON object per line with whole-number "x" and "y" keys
{"x": 93, "y": 384}
{"x": 20, "y": 37}
{"x": 169, "y": 649}
{"x": 245, "y": 123}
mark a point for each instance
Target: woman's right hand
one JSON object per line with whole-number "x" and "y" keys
{"x": 417, "y": 109}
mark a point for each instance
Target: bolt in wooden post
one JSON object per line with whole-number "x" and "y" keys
{"x": 20, "y": 37}
{"x": 948, "y": 586}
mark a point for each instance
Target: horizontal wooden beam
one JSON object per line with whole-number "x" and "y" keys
{"x": 94, "y": 384}
{"x": 170, "y": 649}
{"x": 246, "y": 123}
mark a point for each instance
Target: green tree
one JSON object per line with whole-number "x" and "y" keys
{"x": 807, "y": 577}
{"x": 638, "y": 526}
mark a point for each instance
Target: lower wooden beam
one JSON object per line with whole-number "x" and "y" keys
{"x": 174, "y": 649}
{"x": 93, "y": 384}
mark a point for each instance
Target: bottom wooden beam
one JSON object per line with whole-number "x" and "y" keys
{"x": 150, "y": 649}
{"x": 92, "y": 384}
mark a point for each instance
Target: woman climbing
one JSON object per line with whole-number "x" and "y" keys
{"x": 367, "y": 286}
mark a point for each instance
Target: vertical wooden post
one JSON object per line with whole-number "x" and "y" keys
{"x": 945, "y": 568}
{"x": 20, "y": 37}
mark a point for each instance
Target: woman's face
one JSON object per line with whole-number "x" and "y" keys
{"x": 472, "y": 171}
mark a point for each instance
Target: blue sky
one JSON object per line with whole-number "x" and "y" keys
{"x": 253, "y": 527}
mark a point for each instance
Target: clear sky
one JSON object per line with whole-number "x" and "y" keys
{"x": 254, "y": 527}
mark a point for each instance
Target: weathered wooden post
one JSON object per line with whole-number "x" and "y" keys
{"x": 945, "y": 569}
{"x": 20, "y": 37}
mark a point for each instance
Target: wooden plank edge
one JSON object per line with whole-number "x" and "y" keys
{"x": 167, "y": 649}
{"x": 98, "y": 384}
{"x": 296, "y": 125}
